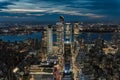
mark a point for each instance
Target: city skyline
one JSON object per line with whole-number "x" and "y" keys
{"x": 49, "y": 10}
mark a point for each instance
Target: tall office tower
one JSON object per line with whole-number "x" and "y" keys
{"x": 60, "y": 34}
{"x": 80, "y": 33}
{"x": 67, "y": 48}
{"x": 49, "y": 40}
{"x": 44, "y": 42}
{"x": 76, "y": 37}
{"x": 82, "y": 43}
{"x": 68, "y": 33}
{"x": 99, "y": 43}
{"x": 89, "y": 43}
{"x": 76, "y": 28}
{"x": 114, "y": 37}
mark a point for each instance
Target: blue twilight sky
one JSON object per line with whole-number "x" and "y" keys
{"x": 49, "y": 10}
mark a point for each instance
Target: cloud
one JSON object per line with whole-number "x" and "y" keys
{"x": 77, "y": 13}
{"x": 22, "y": 10}
{"x": 80, "y": 8}
{"x": 5, "y": 4}
{"x": 48, "y": 6}
{"x": 3, "y": 0}
{"x": 34, "y": 14}
{"x": 12, "y": 17}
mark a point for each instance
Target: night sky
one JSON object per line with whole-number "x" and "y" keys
{"x": 50, "y": 10}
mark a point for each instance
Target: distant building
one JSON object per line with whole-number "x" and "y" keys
{"x": 52, "y": 59}
{"x": 76, "y": 28}
{"x": 68, "y": 33}
{"x": 49, "y": 40}
{"x": 119, "y": 46}
{"x": 110, "y": 49}
{"x": 80, "y": 56}
{"x": 89, "y": 43}
{"x": 60, "y": 34}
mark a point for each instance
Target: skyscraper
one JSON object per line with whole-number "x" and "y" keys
{"x": 60, "y": 34}
{"x": 68, "y": 32}
{"x": 49, "y": 40}
{"x": 76, "y": 37}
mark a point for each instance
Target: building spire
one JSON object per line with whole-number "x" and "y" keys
{"x": 61, "y": 19}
